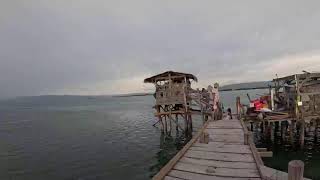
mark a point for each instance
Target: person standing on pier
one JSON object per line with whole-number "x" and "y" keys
{"x": 216, "y": 102}
{"x": 211, "y": 98}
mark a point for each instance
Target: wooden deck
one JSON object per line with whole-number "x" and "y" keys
{"x": 229, "y": 155}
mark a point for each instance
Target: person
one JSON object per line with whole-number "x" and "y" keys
{"x": 216, "y": 102}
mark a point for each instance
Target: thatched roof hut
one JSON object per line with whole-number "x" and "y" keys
{"x": 171, "y": 87}
{"x": 171, "y": 75}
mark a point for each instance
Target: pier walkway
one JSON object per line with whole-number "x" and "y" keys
{"x": 228, "y": 154}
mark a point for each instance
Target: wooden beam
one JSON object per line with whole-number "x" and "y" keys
{"x": 262, "y": 149}
{"x": 266, "y": 154}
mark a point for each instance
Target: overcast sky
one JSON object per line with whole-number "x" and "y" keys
{"x": 110, "y": 46}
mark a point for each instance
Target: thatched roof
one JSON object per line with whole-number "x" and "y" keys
{"x": 165, "y": 75}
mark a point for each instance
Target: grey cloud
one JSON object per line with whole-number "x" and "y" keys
{"x": 50, "y": 46}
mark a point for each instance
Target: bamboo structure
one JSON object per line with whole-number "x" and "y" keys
{"x": 293, "y": 100}
{"x": 175, "y": 98}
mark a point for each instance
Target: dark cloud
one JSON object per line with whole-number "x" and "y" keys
{"x": 105, "y": 47}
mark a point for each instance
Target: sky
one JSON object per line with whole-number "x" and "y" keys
{"x": 98, "y": 47}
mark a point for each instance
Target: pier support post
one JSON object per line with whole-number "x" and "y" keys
{"x": 177, "y": 127}
{"x": 295, "y": 170}
{"x": 302, "y": 126}
{"x": 190, "y": 123}
{"x": 283, "y": 130}
{"x": 169, "y": 118}
{"x": 292, "y": 126}
{"x": 165, "y": 125}
{"x": 238, "y": 107}
{"x": 248, "y": 136}
{"x": 160, "y": 118}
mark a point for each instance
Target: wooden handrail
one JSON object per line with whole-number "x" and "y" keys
{"x": 249, "y": 140}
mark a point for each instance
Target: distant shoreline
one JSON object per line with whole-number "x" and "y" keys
{"x": 132, "y": 95}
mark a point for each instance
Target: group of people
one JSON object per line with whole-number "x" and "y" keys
{"x": 214, "y": 102}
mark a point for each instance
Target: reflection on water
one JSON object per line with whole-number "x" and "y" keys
{"x": 169, "y": 147}
{"x": 284, "y": 150}
{"x": 73, "y": 138}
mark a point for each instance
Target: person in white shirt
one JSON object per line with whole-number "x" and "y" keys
{"x": 216, "y": 101}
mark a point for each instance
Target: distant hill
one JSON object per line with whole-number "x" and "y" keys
{"x": 247, "y": 86}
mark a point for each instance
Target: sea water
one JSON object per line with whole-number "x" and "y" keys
{"x": 102, "y": 137}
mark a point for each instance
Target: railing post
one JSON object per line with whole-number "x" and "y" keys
{"x": 248, "y": 136}
{"x": 204, "y": 138}
{"x": 238, "y": 106}
{"x": 295, "y": 170}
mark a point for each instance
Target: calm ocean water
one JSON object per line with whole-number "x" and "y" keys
{"x": 84, "y": 138}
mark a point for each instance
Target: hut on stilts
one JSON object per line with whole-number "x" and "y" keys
{"x": 299, "y": 96}
{"x": 174, "y": 97}
{"x": 294, "y": 103}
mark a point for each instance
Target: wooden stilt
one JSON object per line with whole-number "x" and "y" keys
{"x": 316, "y": 130}
{"x": 162, "y": 124}
{"x": 186, "y": 124}
{"x": 292, "y": 125}
{"x": 177, "y": 121}
{"x": 302, "y": 130}
{"x": 265, "y": 123}
{"x": 165, "y": 125}
{"x": 238, "y": 107}
{"x": 283, "y": 130}
{"x": 276, "y": 127}
{"x": 160, "y": 118}
{"x": 190, "y": 119}
{"x": 169, "y": 119}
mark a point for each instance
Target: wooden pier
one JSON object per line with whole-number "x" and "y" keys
{"x": 222, "y": 150}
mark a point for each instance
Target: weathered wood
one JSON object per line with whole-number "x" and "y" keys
{"x": 196, "y": 176}
{"x": 295, "y": 170}
{"x": 221, "y": 145}
{"x": 232, "y": 157}
{"x": 223, "y": 131}
{"x": 166, "y": 169}
{"x": 239, "y": 150}
{"x": 302, "y": 129}
{"x": 262, "y": 149}
{"x": 204, "y": 138}
{"x": 266, "y": 154}
{"x": 246, "y": 138}
{"x": 220, "y": 160}
{"x": 225, "y": 172}
{"x": 230, "y": 139}
{"x": 171, "y": 178}
{"x": 221, "y": 164}
{"x": 224, "y": 127}
{"x": 166, "y": 113}
{"x": 238, "y": 103}
{"x": 273, "y": 174}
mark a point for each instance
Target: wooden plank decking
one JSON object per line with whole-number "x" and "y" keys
{"x": 229, "y": 155}
{"x": 225, "y": 156}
